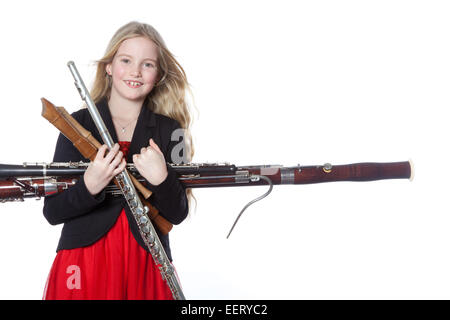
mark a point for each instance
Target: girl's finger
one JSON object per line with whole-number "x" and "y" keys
{"x": 117, "y": 160}
{"x": 120, "y": 168}
{"x": 112, "y": 153}
{"x": 101, "y": 152}
{"x": 154, "y": 146}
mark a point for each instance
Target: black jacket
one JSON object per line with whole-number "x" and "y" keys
{"x": 87, "y": 218}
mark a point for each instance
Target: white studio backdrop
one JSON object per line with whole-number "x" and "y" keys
{"x": 275, "y": 82}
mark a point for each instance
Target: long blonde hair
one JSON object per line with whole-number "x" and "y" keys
{"x": 170, "y": 95}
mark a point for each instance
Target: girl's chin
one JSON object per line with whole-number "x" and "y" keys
{"x": 132, "y": 96}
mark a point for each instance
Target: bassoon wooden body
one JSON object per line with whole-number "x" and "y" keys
{"x": 37, "y": 180}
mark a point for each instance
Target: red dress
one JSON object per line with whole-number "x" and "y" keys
{"x": 115, "y": 267}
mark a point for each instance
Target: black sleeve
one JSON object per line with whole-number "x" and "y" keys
{"x": 170, "y": 196}
{"x": 74, "y": 201}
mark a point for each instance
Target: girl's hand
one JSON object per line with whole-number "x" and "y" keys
{"x": 100, "y": 171}
{"x": 151, "y": 164}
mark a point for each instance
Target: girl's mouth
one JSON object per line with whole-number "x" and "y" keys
{"x": 133, "y": 84}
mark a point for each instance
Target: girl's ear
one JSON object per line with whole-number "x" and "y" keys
{"x": 108, "y": 68}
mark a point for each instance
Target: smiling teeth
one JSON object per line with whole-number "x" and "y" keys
{"x": 134, "y": 84}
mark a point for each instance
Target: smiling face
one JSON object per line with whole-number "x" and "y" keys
{"x": 134, "y": 69}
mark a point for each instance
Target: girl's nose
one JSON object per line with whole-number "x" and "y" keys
{"x": 136, "y": 72}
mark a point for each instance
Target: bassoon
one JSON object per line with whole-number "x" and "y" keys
{"x": 34, "y": 180}
{"x": 207, "y": 175}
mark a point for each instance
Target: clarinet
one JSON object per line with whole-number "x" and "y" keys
{"x": 139, "y": 211}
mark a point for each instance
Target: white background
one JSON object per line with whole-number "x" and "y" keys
{"x": 279, "y": 82}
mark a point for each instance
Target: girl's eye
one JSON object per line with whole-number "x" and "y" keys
{"x": 148, "y": 65}
{"x": 125, "y": 60}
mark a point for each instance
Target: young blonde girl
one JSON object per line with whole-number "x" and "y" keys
{"x": 140, "y": 92}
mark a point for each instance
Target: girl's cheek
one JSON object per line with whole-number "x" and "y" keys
{"x": 120, "y": 72}
{"x": 118, "y": 69}
{"x": 150, "y": 78}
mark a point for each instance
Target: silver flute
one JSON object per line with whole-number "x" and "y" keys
{"x": 138, "y": 210}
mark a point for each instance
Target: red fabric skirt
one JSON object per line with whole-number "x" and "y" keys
{"x": 115, "y": 267}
